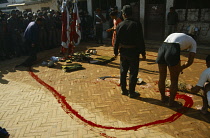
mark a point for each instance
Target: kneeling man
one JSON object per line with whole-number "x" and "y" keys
{"x": 204, "y": 83}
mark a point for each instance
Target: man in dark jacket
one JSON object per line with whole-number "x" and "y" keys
{"x": 31, "y": 36}
{"x": 130, "y": 43}
{"x": 172, "y": 20}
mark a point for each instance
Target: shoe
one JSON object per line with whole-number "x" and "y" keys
{"x": 134, "y": 95}
{"x": 125, "y": 92}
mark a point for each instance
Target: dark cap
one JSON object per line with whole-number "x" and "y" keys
{"x": 208, "y": 58}
{"x": 127, "y": 10}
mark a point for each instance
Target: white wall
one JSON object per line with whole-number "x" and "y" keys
{"x": 52, "y": 4}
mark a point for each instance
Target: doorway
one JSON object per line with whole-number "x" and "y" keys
{"x": 155, "y": 19}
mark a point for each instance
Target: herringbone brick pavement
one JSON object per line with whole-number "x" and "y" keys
{"x": 28, "y": 109}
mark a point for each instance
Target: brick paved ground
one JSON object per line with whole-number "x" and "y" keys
{"x": 28, "y": 109}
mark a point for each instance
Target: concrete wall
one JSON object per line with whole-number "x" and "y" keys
{"x": 119, "y": 4}
{"x": 90, "y": 7}
{"x": 142, "y": 12}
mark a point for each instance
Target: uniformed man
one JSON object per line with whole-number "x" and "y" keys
{"x": 13, "y": 32}
{"x": 99, "y": 20}
{"x": 43, "y": 32}
{"x": 130, "y": 44}
{"x": 50, "y": 21}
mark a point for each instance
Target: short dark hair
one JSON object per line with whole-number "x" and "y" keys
{"x": 127, "y": 10}
{"x": 172, "y": 8}
{"x": 113, "y": 13}
{"x": 39, "y": 19}
{"x": 208, "y": 58}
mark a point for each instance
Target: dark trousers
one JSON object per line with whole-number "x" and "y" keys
{"x": 132, "y": 64}
{"x": 99, "y": 34}
{"x": 32, "y": 53}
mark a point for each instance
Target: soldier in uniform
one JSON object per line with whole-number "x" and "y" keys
{"x": 42, "y": 32}
{"x": 2, "y": 35}
{"x": 130, "y": 44}
{"x": 13, "y": 32}
{"x": 58, "y": 23}
{"x": 51, "y": 30}
{"x": 99, "y": 20}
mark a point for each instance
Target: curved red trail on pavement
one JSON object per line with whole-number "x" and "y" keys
{"x": 69, "y": 110}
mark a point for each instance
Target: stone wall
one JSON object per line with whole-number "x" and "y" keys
{"x": 202, "y": 25}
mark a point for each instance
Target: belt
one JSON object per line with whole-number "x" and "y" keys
{"x": 127, "y": 46}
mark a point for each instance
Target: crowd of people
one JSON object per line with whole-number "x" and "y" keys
{"x": 14, "y": 24}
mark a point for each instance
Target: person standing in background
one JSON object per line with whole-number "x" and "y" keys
{"x": 172, "y": 21}
{"x": 99, "y": 20}
{"x": 116, "y": 21}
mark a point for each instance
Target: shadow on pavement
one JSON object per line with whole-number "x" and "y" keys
{"x": 190, "y": 112}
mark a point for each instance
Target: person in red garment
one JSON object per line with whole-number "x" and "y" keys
{"x": 116, "y": 21}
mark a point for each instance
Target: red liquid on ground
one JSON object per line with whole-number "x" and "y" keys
{"x": 69, "y": 110}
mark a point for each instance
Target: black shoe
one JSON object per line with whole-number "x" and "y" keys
{"x": 125, "y": 92}
{"x": 134, "y": 95}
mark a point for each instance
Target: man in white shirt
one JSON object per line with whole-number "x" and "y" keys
{"x": 169, "y": 56}
{"x": 204, "y": 83}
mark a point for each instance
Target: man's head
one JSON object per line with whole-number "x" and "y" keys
{"x": 13, "y": 13}
{"x": 98, "y": 10}
{"x": 208, "y": 61}
{"x": 115, "y": 9}
{"x": 38, "y": 20}
{"x": 126, "y": 11}
{"x": 172, "y": 9}
{"x": 113, "y": 14}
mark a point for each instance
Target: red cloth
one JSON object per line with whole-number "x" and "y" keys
{"x": 115, "y": 22}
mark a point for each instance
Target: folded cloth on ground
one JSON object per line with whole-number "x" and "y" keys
{"x": 72, "y": 67}
{"x": 103, "y": 60}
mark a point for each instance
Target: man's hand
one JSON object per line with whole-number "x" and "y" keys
{"x": 109, "y": 30}
{"x": 195, "y": 89}
{"x": 189, "y": 62}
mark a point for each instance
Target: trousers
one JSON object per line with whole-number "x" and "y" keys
{"x": 32, "y": 53}
{"x": 132, "y": 64}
